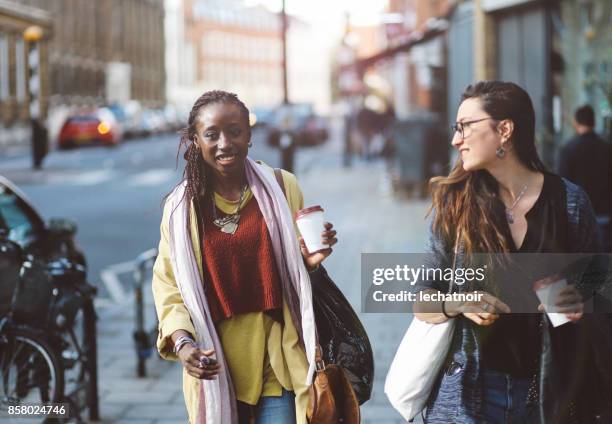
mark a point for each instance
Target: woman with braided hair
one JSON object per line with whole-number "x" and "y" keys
{"x": 231, "y": 280}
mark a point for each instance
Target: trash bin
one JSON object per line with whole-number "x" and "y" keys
{"x": 422, "y": 151}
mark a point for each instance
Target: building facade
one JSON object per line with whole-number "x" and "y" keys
{"x": 559, "y": 51}
{"x": 14, "y": 53}
{"x": 235, "y": 48}
{"x": 104, "y": 46}
{"x": 94, "y": 53}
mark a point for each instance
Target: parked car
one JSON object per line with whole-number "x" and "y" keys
{"x": 263, "y": 117}
{"x": 299, "y": 119}
{"x": 92, "y": 127}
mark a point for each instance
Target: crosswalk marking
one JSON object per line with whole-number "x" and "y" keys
{"x": 151, "y": 178}
{"x": 148, "y": 178}
{"x": 81, "y": 179}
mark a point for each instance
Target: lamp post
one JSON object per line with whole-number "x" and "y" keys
{"x": 286, "y": 140}
{"x": 33, "y": 36}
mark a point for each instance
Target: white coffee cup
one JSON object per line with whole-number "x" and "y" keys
{"x": 547, "y": 290}
{"x": 310, "y": 223}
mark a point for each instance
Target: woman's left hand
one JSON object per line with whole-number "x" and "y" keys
{"x": 568, "y": 302}
{"x": 328, "y": 237}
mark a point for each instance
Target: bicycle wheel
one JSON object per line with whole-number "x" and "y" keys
{"x": 31, "y": 371}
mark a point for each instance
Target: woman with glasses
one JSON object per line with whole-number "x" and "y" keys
{"x": 499, "y": 198}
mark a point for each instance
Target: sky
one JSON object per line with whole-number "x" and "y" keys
{"x": 326, "y": 21}
{"x": 329, "y": 12}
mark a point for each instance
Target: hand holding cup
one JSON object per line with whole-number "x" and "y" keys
{"x": 318, "y": 236}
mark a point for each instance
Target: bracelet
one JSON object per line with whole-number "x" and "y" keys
{"x": 446, "y": 313}
{"x": 182, "y": 341}
{"x": 315, "y": 269}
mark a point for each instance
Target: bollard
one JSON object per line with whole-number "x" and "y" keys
{"x": 142, "y": 339}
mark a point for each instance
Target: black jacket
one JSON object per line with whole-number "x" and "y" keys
{"x": 586, "y": 160}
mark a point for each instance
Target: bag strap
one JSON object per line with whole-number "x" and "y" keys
{"x": 319, "y": 362}
{"x": 455, "y": 252}
{"x": 279, "y": 179}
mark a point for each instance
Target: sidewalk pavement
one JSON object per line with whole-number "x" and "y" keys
{"x": 360, "y": 203}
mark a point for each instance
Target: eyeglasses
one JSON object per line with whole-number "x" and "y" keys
{"x": 461, "y": 127}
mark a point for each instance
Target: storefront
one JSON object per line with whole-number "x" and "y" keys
{"x": 561, "y": 53}
{"x": 582, "y": 63}
{"x": 523, "y": 45}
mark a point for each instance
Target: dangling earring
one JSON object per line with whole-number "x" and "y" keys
{"x": 501, "y": 152}
{"x": 250, "y": 144}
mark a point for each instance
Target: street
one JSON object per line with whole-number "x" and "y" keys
{"x": 115, "y": 197}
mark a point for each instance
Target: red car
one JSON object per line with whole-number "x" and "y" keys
{"x": 96, "y": 127}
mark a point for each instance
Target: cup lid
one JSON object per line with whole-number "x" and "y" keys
{"x": 303, "y": 212}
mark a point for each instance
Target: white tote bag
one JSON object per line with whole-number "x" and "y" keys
{"x": 418, "y": 361}
{"x": 416, "y": 365}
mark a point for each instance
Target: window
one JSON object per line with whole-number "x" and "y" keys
{"x": 21, "y": 70}
{"x": 4, "y": 68}
{"x": 14, "y": 218}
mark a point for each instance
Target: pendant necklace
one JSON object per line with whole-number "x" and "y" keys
{"x": 229, "y": 223}
{"x": 510, "y": 210}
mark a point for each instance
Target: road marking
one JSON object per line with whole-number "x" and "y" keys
{"x": 82, "y": 179}
{"x": 136, "y": 158}
{"x": 110, "y": 278}
{"x": 103, "y": 302}
{"x": 151, "y": 178}
{"x": 95, "y": 177}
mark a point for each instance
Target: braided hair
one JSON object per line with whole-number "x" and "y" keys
{"x": 195, "y": 172}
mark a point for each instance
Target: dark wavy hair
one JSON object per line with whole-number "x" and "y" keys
{"x": 468, "y": 201}
{"x": 195, "y": 172}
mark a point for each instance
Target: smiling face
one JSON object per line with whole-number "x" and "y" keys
{"x": 223, "y": 135}
{"x": 477, "y": 148}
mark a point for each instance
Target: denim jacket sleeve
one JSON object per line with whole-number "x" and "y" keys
{"x": 436, "y": 256}
{"x": 584, "y": 237}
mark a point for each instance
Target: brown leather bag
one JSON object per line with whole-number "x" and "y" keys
{"x": 332, "y": 399}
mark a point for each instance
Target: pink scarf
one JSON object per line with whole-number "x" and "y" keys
{"x": 217, "y": 404}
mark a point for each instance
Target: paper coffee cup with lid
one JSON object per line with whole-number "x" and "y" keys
{"x": 310, "y": 222}
{"x": 547, "y": 290}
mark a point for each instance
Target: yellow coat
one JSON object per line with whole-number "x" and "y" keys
{"x": 266, "y": 343}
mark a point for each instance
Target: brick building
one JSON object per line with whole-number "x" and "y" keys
{"x": 236, "y": 48}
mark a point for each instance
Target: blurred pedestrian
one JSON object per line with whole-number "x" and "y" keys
{"x": 40, "y": 143}
{"x": 507, "y": 367}
{"x": 586, "y": 160}
{"x": 231, "y": 284}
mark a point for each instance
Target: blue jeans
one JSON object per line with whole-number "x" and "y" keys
{"x": 504, "y": 398}
{"x": 276, "y": 409}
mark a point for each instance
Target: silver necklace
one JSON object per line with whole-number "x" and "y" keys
{"x": 229, "y": 223}
{"x": 510, "y": 210}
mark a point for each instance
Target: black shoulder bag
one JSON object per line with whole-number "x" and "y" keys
{"x": 342, "y": 337}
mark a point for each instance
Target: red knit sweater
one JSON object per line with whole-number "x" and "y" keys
{"x": 240, "y": 273}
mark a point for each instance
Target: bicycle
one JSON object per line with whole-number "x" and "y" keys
{"x": 30, "y": 369}
{"x": 58, "y": 355}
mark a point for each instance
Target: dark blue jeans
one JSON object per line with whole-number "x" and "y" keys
{"x": 504, "y": 398}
